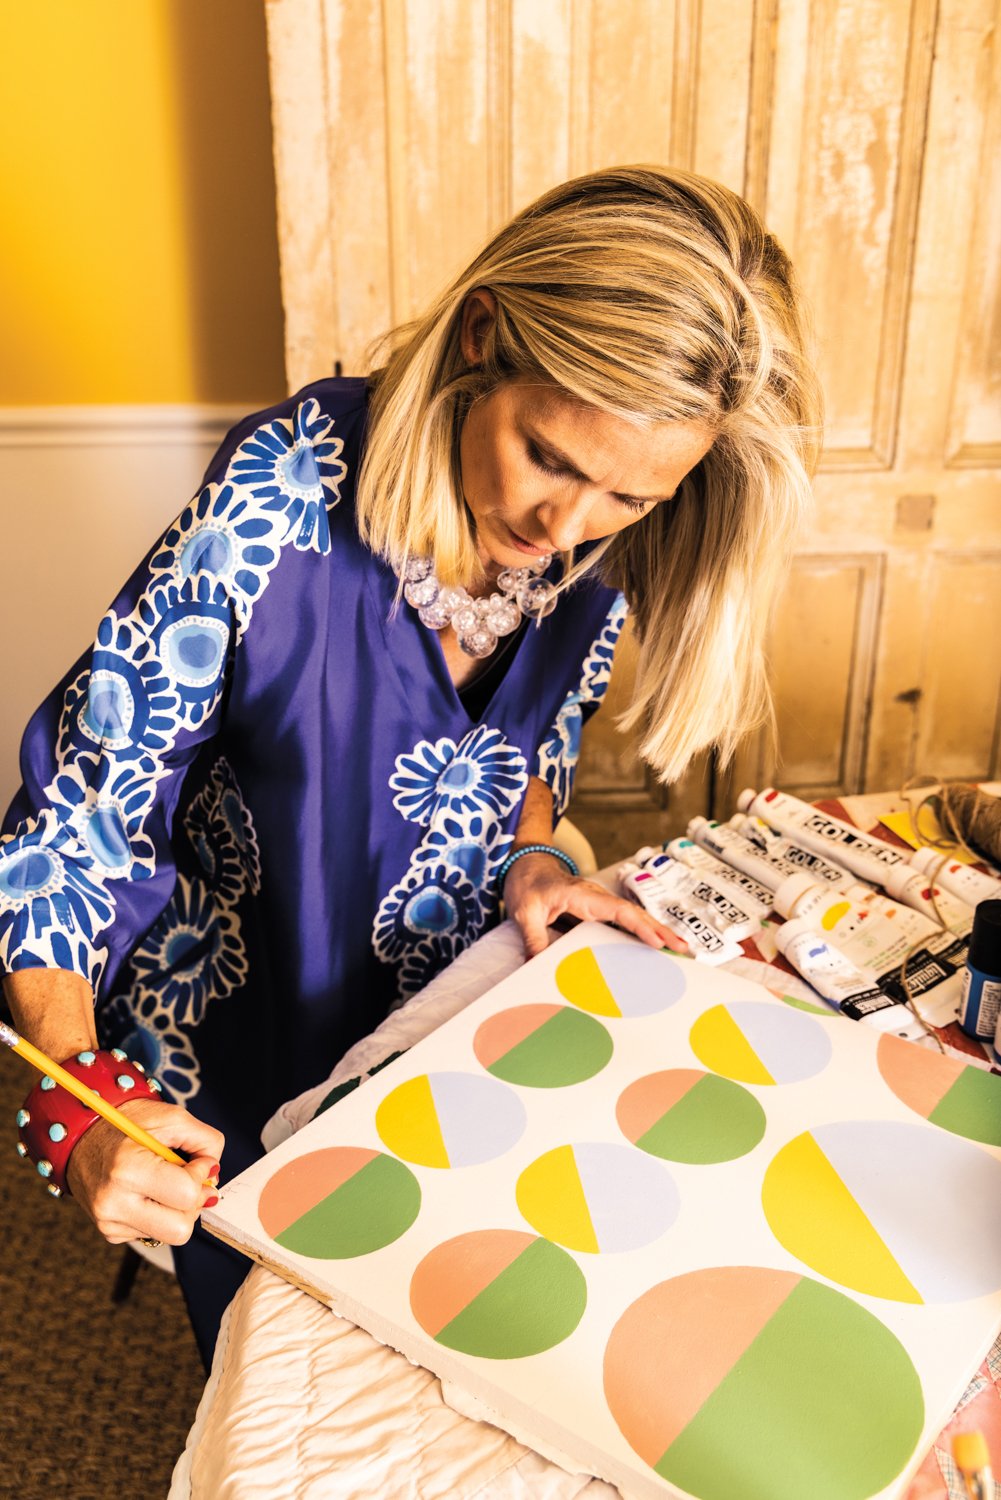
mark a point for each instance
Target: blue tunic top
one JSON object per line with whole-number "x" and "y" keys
{"x": 256, "y": 815}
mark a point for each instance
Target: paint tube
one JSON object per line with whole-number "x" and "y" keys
{"x": 878, "y": 936}
{"x": 915, "y": 923}
{"x": 731, "y": 920}
{"x": 704, "y": 942}
{"x": 754, "y": 896}
{"x": 960, "y": 880}
{"x": 981, "y": 1003}
{"x": 731, "y": 847}
{"x": 817, "y": 831}
{"x": 872, "y": 941}
{"x": 771, "y": 843}
{"x": 823, "y": 965}
{"x": 913, "y": 888}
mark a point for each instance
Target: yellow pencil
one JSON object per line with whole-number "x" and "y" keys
{"x": 86, "y": 1095}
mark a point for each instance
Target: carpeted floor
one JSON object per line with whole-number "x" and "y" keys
{"x": 95, "y": 1400}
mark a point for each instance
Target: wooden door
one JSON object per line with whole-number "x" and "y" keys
{"x": 868, "y": 132}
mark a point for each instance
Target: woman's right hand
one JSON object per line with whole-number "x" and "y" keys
{"x": 130, "y": 1192}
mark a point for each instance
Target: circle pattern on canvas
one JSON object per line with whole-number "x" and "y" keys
{"x": 851, "y": 1200}
{"x": 450, "y": 1119}
{"x": 339, "y": 1203}
{"x": 743, "y": 1380}
{"x": 620, "y": 979}
{"x": 542, "y": 1046}
{"x": 597, "y": 1197}
{"x": 760, "y": 1041}
{"x": 684, "y": 1114}
{"x": 954, "y": 1095}
{"x": 498, "y": 1294}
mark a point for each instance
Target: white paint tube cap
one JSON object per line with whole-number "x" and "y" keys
{"x": 786, "y": 934}
{"x": 897, "y": 878}
{"x": 696, "y": 823}
{"x": 647, "y": 852}
{"x": 791, "y": 889}
{"x": 927, "y": 860}
{"x": 745, "y": 799}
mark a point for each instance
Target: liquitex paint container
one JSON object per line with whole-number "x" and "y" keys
{"x": 981, "y": 1002}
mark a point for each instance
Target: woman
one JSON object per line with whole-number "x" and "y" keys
{"x": 275, "y": 797}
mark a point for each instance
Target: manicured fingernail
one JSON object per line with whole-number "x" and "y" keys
{"x": 214, "y": 1171}
{"x": 210, "y": 1202}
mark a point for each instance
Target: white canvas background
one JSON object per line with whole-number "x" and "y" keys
{"x": 556, "y": 1397}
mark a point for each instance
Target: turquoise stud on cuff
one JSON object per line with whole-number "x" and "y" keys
{"x": 22, "y": 1150}
{"x": 154, "y": 1084}
{"x": 48, "y": 1083}
{"x": 56, "y": 1192}
{"x": 44, "y": 1168}
{"x": 87, "y": 1058}
{"x": 57, "y": 1132}
{"x": 23, "y": 1118}
{"x": 125, "y": 1082}
{"x": 119, "y": 1055}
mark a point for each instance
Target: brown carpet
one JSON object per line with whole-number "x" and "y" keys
{"x": 95, "y": 1400}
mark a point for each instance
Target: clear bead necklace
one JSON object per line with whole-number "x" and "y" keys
{"x": 479, "y": 623}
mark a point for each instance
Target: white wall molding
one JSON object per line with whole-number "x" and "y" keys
{"x": 84, "y": 493}
{"x": 163, "y": 425}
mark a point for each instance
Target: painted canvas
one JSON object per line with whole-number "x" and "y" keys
{"x": 698, "y": 1240}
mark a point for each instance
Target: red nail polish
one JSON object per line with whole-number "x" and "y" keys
{"x": 214, "y": 1171}
{"x": 210, "y": 1202}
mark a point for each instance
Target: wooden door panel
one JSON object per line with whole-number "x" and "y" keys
{"x": 725, "y": 58}
{"x": 629, "y": 89}
{"x": 975, "y": 437}
{"x": 856, "y": 157}
{"x": 869, "y": 134}
{"x": 541, "y": 53}
{"x": 962, "y": 672}
{"x": 822, "y": 653}
{"x": 439, "y": 166}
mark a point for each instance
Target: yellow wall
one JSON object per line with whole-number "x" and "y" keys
{"x": 138, "y": 242}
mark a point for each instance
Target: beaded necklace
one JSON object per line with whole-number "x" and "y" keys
{"x": 478, "y": 623}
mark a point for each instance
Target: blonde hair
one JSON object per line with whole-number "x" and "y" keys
{"x": 657, "y": 296}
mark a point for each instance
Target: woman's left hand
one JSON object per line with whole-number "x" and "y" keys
{"x": 539, "y": 888}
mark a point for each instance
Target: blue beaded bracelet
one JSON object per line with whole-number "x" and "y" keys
{"x": 535, "y": 849}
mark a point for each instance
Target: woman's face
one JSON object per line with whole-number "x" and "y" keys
{"x": 542, "y": 473}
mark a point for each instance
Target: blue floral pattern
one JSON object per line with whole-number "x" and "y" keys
{"x": 222, "y": 834}
{"x": 557, "y": 756}
{"x": 195, "y": 951}
{"x": 147, "y": 1036}
{"x": 449, "y": 895}
{"x": 154, "y": 673}
{"x": 52, "y": 898}
{"x": 295, "y": 468}
{"x": 481, "y": 772}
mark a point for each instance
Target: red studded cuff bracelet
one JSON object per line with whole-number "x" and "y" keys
{"x": 51, "y": 1121}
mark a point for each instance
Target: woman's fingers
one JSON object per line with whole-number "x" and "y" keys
{"x": 174, "y": 1127}
{"x": 143, "y": 1219}
{"x": 639, "y": 922}
{"x": 131, "y": 1192}
{"x": 178, "y": 1186}
{"x": 586, "y": 899}
{"x": 539, "y": 893}
{"x": 533, "y": 918}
